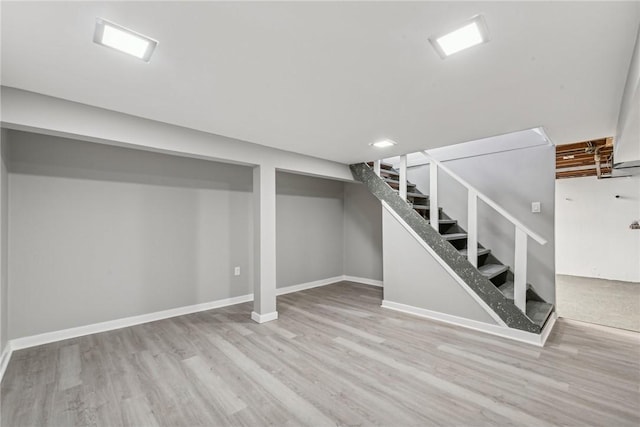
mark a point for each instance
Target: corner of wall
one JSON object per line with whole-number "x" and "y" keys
{"x": 362, "y": 237}
{"x": 3, "y": 240}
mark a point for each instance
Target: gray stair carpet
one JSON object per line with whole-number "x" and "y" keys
{"x": 454, "y": 236}
{"x": 481, "y": 251}
{"x": 492, "y": 270}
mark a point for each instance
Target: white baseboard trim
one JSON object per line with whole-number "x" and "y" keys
{"x": 48, "y": 337}
{"x": 308, "y": 285}
{"x": 501, "y": 331}
{"x": 4, "y": 359}
{"x": 263, "y": 318}
{"x": 548, "y": 327}
{"x": 363, "y": 280}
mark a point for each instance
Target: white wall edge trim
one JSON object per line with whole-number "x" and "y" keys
{"x": 308, "y": 285}
{"x": 48, "y": 337}
{"x": 363, "y": 280}
{"x": 505, "y": 332}
{"x": 5, "y": 358}
{"x": 444, "y": 265}
{"x": 548, "y": 327}
{"x": 262, "y": 318}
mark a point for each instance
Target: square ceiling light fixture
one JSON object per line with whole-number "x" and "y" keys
{"x": 471, "y": 33}
{"x": 383, "y": 143}
{"x": 123, "y": 39}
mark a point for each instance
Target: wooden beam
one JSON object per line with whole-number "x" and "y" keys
{"x": 582, "y": 144}
{"x": 581, "y": 173}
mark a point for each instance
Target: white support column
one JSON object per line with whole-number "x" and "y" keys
{"x": 520, "y": 271}
{"x": 433, "y": 196}
{"x": 403, "y": 177}
{"x": 376, "y": 167}
{"x": 472, "y": 227}
{"x": 264, "y": 244}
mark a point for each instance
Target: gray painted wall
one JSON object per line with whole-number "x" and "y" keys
{"x": 513, "y": 179}
{"x": 4, "y": 228}
{"x": 413, "y": 277}
{"x": 309, "y": 229}
{"x": 100, "y": 233}
{"x": 362, "y": 233}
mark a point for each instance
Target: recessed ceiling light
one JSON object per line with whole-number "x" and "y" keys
{"x": 471, "y": 33}
{"x": 123, "y": 39}
{"x": 383, "y": 143}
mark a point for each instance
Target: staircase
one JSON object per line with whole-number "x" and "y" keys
{"x": 496, "y": 274}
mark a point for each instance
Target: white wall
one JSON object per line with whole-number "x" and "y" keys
{"x": 362, "y": 233}
{"x": 4, "y": 228}
{"x": 309, "y": 227}
{"x": 592, "y": 228}
{"x": 627, "y": 142}
{"x": 513, "y": 179}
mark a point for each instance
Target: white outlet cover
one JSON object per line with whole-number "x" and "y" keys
{"x": 535, "y": 207}
{"x": 236, "y": 271}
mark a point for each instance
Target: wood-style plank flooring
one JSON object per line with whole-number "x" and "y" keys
{"x": 333, "y": 358}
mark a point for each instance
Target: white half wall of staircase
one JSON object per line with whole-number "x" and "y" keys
{"x": 362, "y": 233}
{"x": 592, "y": 228}
{"x": 514, "y": 179}
{"x": 414, "y": 277}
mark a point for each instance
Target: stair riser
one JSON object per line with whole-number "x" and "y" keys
{"x": 499, "y": 279}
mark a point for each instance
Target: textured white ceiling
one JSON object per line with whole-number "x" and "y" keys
{"x": 327, "y": 78}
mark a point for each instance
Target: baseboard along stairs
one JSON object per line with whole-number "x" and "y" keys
{"x": 491, "y": 280}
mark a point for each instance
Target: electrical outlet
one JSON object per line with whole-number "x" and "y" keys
{"x": 236, "y": 271}
{"x": 535, "y": 207}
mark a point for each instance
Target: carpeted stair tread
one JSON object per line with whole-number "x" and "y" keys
{"x": 481, "y": 251}
{"x": 538, "y": 311}
{"x": 492, "y": 270}
{"x": 454, "y": 236}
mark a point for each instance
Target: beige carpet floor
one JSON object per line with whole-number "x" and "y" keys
{"x": 603, "y": 302}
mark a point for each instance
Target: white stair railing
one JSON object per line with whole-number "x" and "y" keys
{"x": 403, "y": 177}
{"x": 522, "y": 231}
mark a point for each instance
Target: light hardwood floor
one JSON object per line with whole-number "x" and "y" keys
{"x": 333, "y": 358}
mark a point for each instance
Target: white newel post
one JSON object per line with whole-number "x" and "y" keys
{"x": 520, "y": 271}
{"x": 403, "y": 177}
{"x": 472, "y": 232}
{"x": 376, "y": 167}
{"x": 433, "y": 195}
